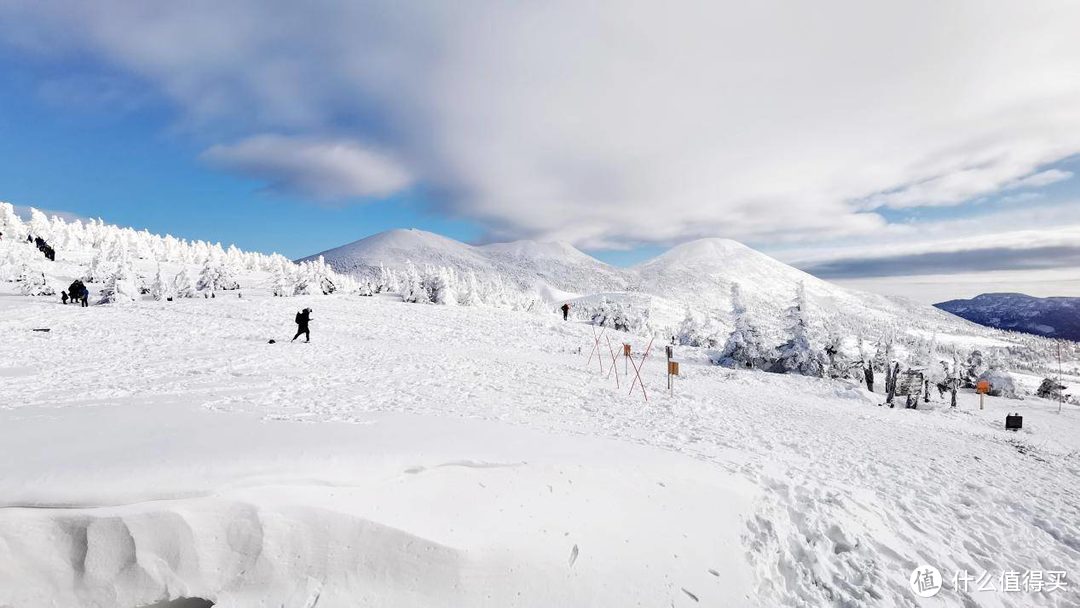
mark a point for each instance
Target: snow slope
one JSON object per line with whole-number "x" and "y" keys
{"x": 454, "y": 456}
{"x": 1050, "y": 317}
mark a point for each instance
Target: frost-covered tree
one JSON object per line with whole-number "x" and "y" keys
{"x": 11, "y": 227}
{"x": 183, "y": 284}
{"x": 797, "y": 355}
{"x": 281, "y": 284}
{"x": 441, "y": 286}
{"x": 471, "y": 295}
{"x": 32, "y": 282}
{"x": 837, "y": 359}
{"x": 122, "y": 286}
{"x": 697, "y": 330}
{"x": 975, "y": 365}
{"x": 159, "y": 288}
{"x": 39, "y": 225}
{"x": 744, "y": 346}
{"x": 412, "y": 286}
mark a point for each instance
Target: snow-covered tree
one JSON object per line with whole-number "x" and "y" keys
{"x": 696, "y": 330}
{"x": 122, "y": 286}
{"x": 280, "y": 283}
{"x": 412, "y": 286}
{"x": 744, "y": 346}
{"x": 159, "y": 288}
{"x": 39, "y": 225}
{"x": 183, "y": 284}
{"x": 11, "y": 227}
{"x": 32, "y": 282}
{"x": 797, "y": 355}
{"x": 470, "y": 295}
{"x": 837, "y": 360}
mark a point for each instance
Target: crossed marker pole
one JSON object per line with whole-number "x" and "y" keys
{"x": 637, "y": 371}
{"x": 637, "y": 365}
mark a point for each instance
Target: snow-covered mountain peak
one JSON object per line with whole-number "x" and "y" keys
{"x": 703, "y": 249}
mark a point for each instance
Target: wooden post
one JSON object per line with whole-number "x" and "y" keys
{"x": 983, "y": 387}
{"x": 672, "y": 371}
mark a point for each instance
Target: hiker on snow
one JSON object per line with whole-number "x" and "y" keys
{"x": 63, "y": 297}
{"x": 565, "y": 310}
{"x": 302, "y": 319}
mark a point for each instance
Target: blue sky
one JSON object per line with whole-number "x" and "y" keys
{"x": 295, "y": 129}
{"x": 129, "y": 165}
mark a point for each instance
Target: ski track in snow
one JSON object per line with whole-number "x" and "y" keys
{"x": 855, "y": 495}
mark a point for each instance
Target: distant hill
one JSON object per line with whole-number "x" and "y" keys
{"x": 1050, "y": 317}
{"x": 698, "y": 274}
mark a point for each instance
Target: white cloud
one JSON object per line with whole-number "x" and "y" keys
{"x": 628, "y": 122}
{"x": 324, "y": 169}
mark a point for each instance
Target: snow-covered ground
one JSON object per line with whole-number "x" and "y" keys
{"x": 417, "y": 455}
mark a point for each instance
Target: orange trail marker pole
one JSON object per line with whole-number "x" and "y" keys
{"x": 637, "y": 372}
{"x": 614, "y": 360}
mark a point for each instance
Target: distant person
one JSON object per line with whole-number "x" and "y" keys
{"x": 302, "y": 319}
{"x": 565, "y": 311}
{"x": 63, "y": 297}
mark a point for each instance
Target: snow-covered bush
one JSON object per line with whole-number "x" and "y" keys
{"x": 183, "y": 284}
{"x": 1001, "y": 382}
{"x": 215, "y": 276}
{"x": 620, "y": 316}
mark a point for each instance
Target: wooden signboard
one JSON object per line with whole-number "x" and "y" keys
{"x": 626, "y": 350}
{"x": 673, "y": 368}
{"x": 983, "y": 388}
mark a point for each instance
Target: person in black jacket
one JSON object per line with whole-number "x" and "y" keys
{"x": 565, "y": 308}
{"x": 302, "y": 319}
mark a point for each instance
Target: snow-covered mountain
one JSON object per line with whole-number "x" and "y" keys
{"x": 698, "y": 274}
{"x": 1050, "y": 317}
{"x": 524, "y": 263}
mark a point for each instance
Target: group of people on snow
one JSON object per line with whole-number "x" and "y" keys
{"x": 77, "y": 293}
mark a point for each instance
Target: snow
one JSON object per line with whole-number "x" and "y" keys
{"x": 418, "y": 455}
{"x": 423, "y": 455}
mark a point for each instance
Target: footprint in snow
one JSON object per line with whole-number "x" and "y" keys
{"x": 573, "y": 555}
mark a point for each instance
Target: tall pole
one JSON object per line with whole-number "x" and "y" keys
{"x": 1061, "y": 379}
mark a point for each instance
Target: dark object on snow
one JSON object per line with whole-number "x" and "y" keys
{"x": 272, "y": 341}
{"x": 868, "y": 373}
{"x": 1014, "y": 422}
{"x": 79, "y": 293}
{"x": 43, "y": 247}
{"x": 63, "y": 297}
{"x": 1050, "y": 389}
{"x": 44, "y": 329}
{"x": 168, "y": 299}
{"x": 565, "y": 308}
{"x": 302, "y": 319}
